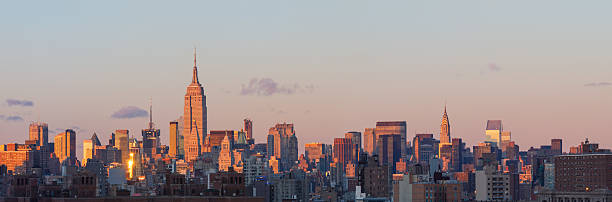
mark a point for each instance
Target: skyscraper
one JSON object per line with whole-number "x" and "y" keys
{"x": 493, "y": 132}
{"x": 150, "y": 137}
{"x": 248, "y": 128}
{"x": 389, "y": 150}
{"x": 445, "y": 129}
{"x": 423, "y": 147}
{"x": 391, "y": 128}
{"x": 195, "y": 117}
{"x": 505, "y": 138}
{"x": 343, "y": 151}
{"x": 285, "y": 144}
{"x": 122, "y": 144}
{"x": 556, "y": 146}
{"x": 457, "y": 154}
{"x": 65, "y": 146}
{"x": 39, "y": 132}
{"x": 270, "y": 146}
{"x": 225, "y": 155}
{"x": 88, "y": 150}
{"x": 369, "y": 141}
{"x": 355, "y": 137}
{"x": 174, "y": 139}
{"x": 314, "y": 151}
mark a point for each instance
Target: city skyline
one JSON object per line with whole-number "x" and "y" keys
{"x": 274, "y": 101}
{"x": 487, "y": 65}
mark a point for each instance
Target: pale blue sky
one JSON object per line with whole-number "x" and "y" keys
{"x": 525, "y": 62}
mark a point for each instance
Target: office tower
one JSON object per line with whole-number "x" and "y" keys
{"x": 88, "y": 150}
{"x": 486, "y": 154}
{"x": 424, "y": 148}
{"x": 369, "y": 141}
{"x": 583, "y": 173}
{"x": 174, "y": 139}
{"x": 317, "y": 156}
{"x": 134, "y": 162}
{"x": 65, "y": 146}
{"x": 314, "y": 151}
{"x": 355, "y": 137}
{"x": 225, "y": 155}
{"x": 445, "y": 129}
{"x": 343, "y": 151}
{"x": 122, "y": 144}
{"x": 40, "y": 133}
{"x": 457, "y": 154}
{"x": 512, "y": 151}
{"x": 393, "y": 128}
{"x": 389, "y": 150}
{"x": 180, "y": 137}
{"x": 270, "y": 146}
{"x": 493, "y": 132}
{"x": 505, "y": 138}
{"x": 95, "y": 140}
{"x": 111, "y": 140}
{"x": 557, "y": 146}
{"x": 150, "y": 138}
{"x": 285, "y": 144}
{"x": 445, "y": 153}
{"x": 195, "y": 117}
{"x": 248, "y": 128}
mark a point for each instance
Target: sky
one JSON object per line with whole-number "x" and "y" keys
{"x": 543, "y": 67}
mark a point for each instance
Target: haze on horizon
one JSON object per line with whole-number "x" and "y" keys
{"x": 543, "y": 67}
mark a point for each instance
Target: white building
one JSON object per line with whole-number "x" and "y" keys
{"x": 492, "y": 185}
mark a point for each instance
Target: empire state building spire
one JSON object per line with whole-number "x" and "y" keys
{"x": 195, "y": 116}
{"x": 195, "y": 69}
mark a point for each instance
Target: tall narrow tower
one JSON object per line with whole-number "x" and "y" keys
{"x": 195, "y": 126}
{"x": 445, "y": 130}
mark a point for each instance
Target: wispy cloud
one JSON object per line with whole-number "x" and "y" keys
{"x": 14, "y": 118}
{"x": 15, "y": 102}
{"x": 491, "y": 68}
{"x": 598, "y": 84}
{"x": 129, "y": 112}
{"x": 267, "y": 87}
{"x": 494, "y": 67}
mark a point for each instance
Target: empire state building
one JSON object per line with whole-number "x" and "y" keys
{"x": 195, "y": 126}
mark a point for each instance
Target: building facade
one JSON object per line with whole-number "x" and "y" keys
{"x": 65, "y": 146}
{"x": 195, "y": 117}
{"x": 445, "y": 129}
{"x": 39, "y": 132}
{"x": 174, "y": 139}
{"x": 248, "y": 128}
{"x": 493, "y": 132}
{"x": 285, "y": 144}
{"x": 344, "y": 151}
{"x": 393, "y": 128}
{"x": 369, "y": 141}
{"x": 122, "y": 144}
{"x": 585, "y": 172}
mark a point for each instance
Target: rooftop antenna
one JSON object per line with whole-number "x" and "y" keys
{"x": 151, "y": 113}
